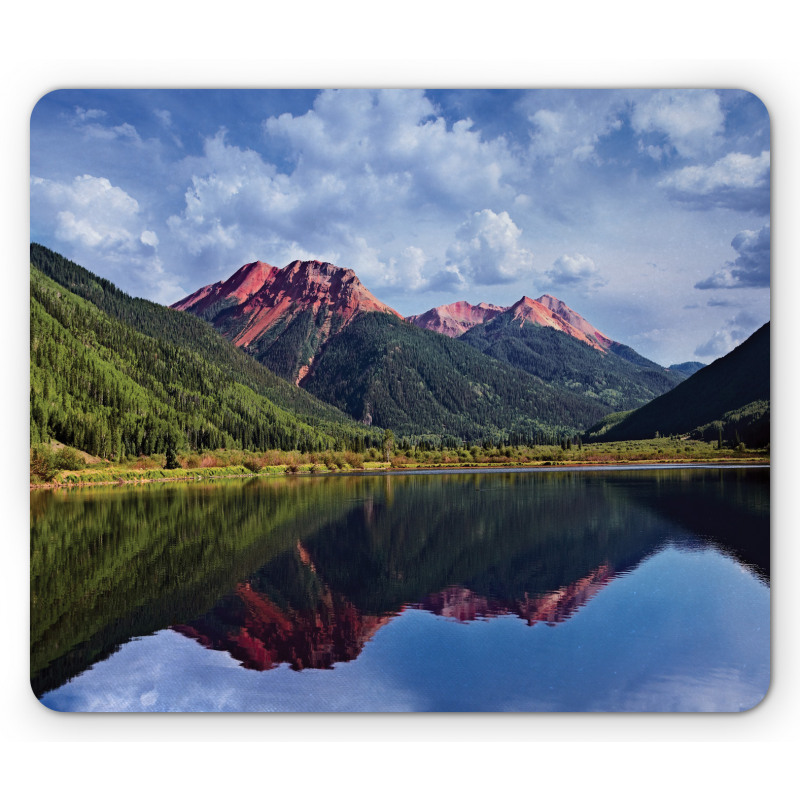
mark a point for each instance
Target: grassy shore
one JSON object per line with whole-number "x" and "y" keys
{"x": 62, "y": 467}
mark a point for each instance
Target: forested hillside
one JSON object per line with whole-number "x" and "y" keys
{"x": 410, "y": 380}
{"x": 617, "y": 382}
{"x": 186, "y": 331}
{"x": 734, "y": 392}
{"x": 102, "y": 386}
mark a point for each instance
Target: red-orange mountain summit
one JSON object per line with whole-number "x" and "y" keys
{"x": 264, "y": 294}
{"x": 259, "y": 303}
{"x": 548, "y": 311}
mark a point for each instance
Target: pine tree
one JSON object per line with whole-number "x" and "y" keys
{"x": 172, "y": 457}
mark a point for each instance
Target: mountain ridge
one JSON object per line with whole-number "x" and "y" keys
{"x": 733, "y": 382}
{"x": 455, "y": 319}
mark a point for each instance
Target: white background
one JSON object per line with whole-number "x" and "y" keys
{"x": 683, "y": 44}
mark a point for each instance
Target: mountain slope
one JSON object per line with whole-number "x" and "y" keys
{"x": 316, "y": 324}
{"x": 728, "y": 384}
{"x": 385, "y": 370}
{"x": 171, "y": 328}
{"x": 102, "y": 386}
{"x": 607, "y": 377}
{"x": 283, "y": 317}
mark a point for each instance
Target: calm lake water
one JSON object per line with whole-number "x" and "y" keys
{"x": 592, "y": 590}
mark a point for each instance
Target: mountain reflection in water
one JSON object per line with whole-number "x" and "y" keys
{"x": 306, "y": 571}
{"x": 331, "y": 628}
{"x": 260, "y": 635}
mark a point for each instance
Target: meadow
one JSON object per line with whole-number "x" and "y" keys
{"x": 64, "y": 466}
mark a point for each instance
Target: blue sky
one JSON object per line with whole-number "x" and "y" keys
{"x": 647, "y": 211}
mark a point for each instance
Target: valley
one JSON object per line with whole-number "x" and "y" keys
{"x": 303, "y": 370}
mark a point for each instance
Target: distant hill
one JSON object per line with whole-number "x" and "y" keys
{"x": 609, "y": 373}
{"x": 112, "y": 374}
{"x": 547, "y": 311}
{"x": 687, "y": 368}
{"x": 720, "y": 392}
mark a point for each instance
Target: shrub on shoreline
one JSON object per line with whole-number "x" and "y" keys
{"x": 66, "y": 467}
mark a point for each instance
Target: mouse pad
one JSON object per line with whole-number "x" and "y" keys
{"x": 400, "y": 400}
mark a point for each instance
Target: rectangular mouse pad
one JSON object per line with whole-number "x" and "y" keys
{"x": 400, "y": 400}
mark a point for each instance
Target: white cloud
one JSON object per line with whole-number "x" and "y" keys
{"x": 576, "y": 271}
{"x": 407, "y": 270}
{"x": 487, "y": 249}
{"x": 90, "y": 211}
{"x": 751, "y": 268}
{"x": 89, "y": 122}
{"x": 364, "y": 167}
{"x": 84, "y": 114}
{"x": 692, "y": 119}
{"x": 149, "y": 238}
{"x": 164, "y": 116}
{"x": 725, "y": 339}
{"x": 570, "y": 129}
{"x": 736, "y": 181}
{"x": 102, "y": 222}
{"x": 389, "y": 147}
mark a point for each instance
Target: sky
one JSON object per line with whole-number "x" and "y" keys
{"x": 647, "y": 211}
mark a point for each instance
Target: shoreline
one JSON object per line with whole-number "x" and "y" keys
{"x": 415, "y": 469}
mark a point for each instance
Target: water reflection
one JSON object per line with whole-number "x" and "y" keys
{"x": 304, "y": 572}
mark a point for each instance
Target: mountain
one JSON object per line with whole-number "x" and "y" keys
{"x": 111, "y": 374}
{"x": 455, "y": 318}
{"x": 687, "y": 368}
{"x": 548, "y": 311}
{"x": 386, "y": 371}
{"x": 734, "y": 386}
{"x": 283, "y": 317}
{"x": 317, "y": 325}
{"x": 530, "y": 336}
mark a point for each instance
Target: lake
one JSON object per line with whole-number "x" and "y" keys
{"x": 520, "y": 590}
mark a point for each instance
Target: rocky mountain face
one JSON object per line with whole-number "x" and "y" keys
{"x": 457, "y": 318}
{"x": 284, "y": 316}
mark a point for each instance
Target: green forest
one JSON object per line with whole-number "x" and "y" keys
{"x": 101, "y": 385}
{"x": 412, "y": 380}
{"x": 726, "y": 401}
{"x": 618, "y": 380}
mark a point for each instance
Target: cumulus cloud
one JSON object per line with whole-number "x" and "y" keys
{"x": 691, "y": 120}
{"x": 393, "y": 145}
{"x": 735, "y": 331}
{"x": 357, "y": 169}
{"x": 92, "y": 212}
{"x": 737, "y": 181}
{"x": 487, "y": 249}
{"x": 577, "y": 271}
{"x": 750, "y": 268}
{"x": 100, "y": 221}
{"x": 234, "y": 198}
{"x": 569, "y": 128}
